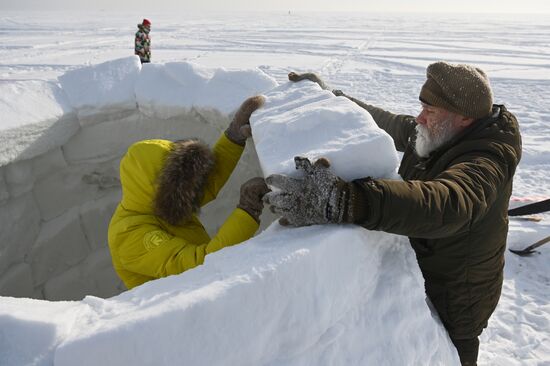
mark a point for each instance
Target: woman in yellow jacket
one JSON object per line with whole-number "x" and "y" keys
{"x": 155, "y": 231}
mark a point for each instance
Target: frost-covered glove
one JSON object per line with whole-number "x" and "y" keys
{"x": 252, "y": 192}
{"x": 292, "y": 76}
{"x": 239, "y": 128}
{"x": 320, "y": 197}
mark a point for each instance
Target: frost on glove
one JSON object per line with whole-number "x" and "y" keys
{"x": 320, "y": 197}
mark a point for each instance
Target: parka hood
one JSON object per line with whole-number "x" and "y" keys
{"x": 165, "y": 178}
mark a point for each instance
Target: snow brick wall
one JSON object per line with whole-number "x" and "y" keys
{"x": 61, "y": 143}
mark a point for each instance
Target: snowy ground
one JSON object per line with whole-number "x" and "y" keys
{"x": 380, "y": 59}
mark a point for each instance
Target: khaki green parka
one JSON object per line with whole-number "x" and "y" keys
{"x": 145, "y": 247}
{"x": 453, "y": 207}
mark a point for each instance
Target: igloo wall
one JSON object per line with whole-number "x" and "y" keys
{"x": 55, "y": 208}
{"x": 59, "y": 179}
{"x": 296, "y": 296}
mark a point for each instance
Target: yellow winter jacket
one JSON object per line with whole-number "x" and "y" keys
{"x": 143, "y": 246}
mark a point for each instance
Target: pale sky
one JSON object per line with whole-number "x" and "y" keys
{"x": 461, "y": 6}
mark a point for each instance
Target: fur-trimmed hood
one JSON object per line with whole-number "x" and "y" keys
{"x": 165, "y": 178}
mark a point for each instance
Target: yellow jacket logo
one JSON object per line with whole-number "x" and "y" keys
{"x": 153, "y": 239}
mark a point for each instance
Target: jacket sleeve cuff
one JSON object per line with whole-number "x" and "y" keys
{"x": 226, "y": 144}
{"x": 238, "y": 227}
{"x": 358, "y": 207}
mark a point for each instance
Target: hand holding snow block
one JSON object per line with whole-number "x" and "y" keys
{"x": 301, "y": 119}
{"x": 105, "y": 87}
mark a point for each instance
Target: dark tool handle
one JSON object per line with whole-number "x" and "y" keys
{"x": 532, "y": 208}
{"x": 529, "y": 250}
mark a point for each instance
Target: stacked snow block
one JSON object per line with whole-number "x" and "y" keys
{"x": 59, "y": 177}
{"x": 53, "y": 228}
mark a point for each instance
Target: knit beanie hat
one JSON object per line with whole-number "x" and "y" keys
{"x": 459, "y": 88}
{"x": 146, "y": 23}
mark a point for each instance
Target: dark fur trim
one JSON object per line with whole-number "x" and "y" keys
{"x": 182, "y": 179}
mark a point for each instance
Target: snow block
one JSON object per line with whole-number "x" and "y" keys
{"x": 99, "y": 267}
{"x": 93, "y": 276}
{"x": 17, "y": 281}
{"x": 69, "y": 285}
{"x": 49, "y": 163}
{"x": 96, "y": 215}
{"x": 161, "y": 96}
{"x": 324, "y": 125}
{"x": 110, "y": 140}
{"x": 69, "y": 188}
{"x": 229, "y": 88}
{"x": 33, "y": 328}
{"x": 289, "y": 297}
{"x": 166, "y": 90}
{"x": 61, "y": 244}
{"x": 19, "y": 177}
{"x": 36, "y": 117}
{"x": 103, "y": 88}
{"x": 4, "y": 193}
{"x": 19, "y": 228}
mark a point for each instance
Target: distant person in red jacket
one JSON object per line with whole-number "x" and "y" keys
{"x": 143, "y": 41}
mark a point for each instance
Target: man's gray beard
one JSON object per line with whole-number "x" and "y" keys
{"x": 427, "y": 141}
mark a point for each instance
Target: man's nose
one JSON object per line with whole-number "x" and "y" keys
{"x": 420, "y": 119}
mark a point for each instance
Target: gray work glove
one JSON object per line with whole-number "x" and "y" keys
{"x": 252, "y": 192}
{"x": 292, "y": 76}
{"x": 239, "y": 128}
{"x": 320, "y": 197}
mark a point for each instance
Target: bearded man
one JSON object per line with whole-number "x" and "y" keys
{"x": 459, "y": 158}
